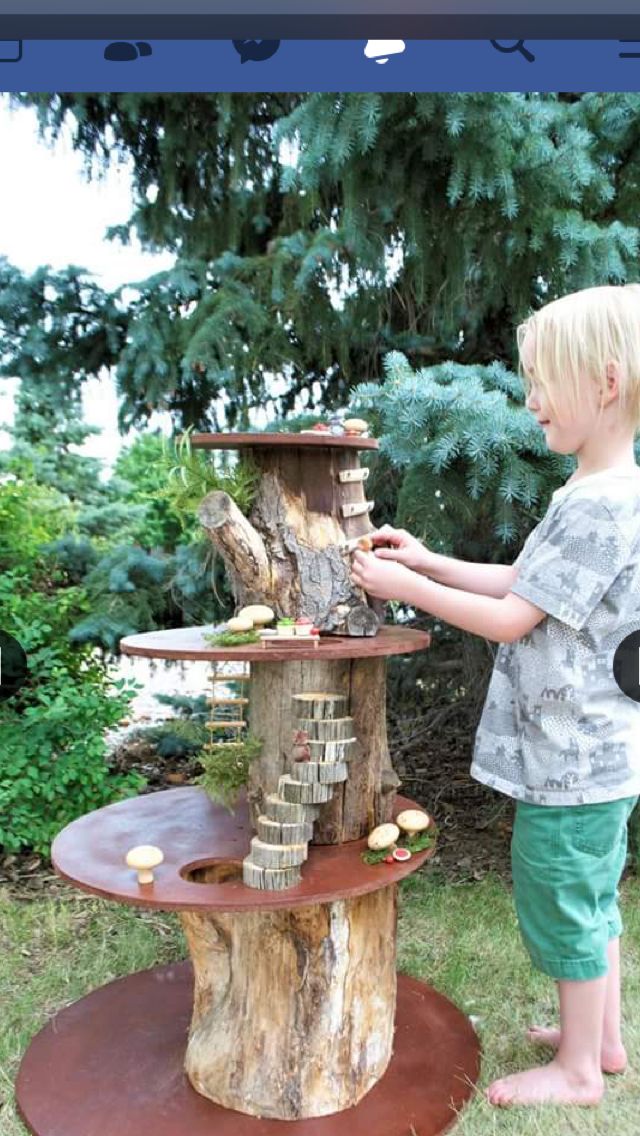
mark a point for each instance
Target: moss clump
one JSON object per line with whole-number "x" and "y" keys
{"x": 231, "y": 638}
{"x": 226, "y": 768}
{"x": 416, "y": 843}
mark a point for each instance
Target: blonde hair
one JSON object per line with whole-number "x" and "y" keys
{"x": 573, "y": 340}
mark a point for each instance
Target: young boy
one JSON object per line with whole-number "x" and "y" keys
{"x": 557, "y": 733}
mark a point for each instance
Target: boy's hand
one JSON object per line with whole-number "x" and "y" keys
{"x": 385, "y": 581}
{"x": 405, "y": 549}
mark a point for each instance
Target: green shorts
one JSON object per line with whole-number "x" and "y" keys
{"x": 566, "y": 863}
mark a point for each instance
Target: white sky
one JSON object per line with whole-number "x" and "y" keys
{"x": 51, "y": 214}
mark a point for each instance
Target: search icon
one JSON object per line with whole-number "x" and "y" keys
{"x": 517, "y": 46}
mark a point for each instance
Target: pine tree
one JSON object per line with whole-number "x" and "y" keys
{"x": 316, "y": 233}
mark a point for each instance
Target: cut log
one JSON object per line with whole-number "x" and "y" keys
{"x": 327, "y": 729}
{"x": 303, "y": 794}
{"x": 277, "y": 832}
{"x": 332, "y": 772}
{"x": 268, "y": 879}
{"x": 332, "y": 751}
{"x": 324, "y": 772}
{"x": 314, "y": 983}
{"x": 276, "y": 855}
{"x": 289, "y": 812}
{"x": 313, "y": 704}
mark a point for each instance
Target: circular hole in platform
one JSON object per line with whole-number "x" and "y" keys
{"x": 213, "y": 872}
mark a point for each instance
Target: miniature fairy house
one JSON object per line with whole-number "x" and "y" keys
{"x": 290, "y": 1007}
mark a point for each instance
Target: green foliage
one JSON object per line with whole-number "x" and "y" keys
{"x": 314, "y": 233}
{"x": 177, "y": 737}
{"x": 196, "y": 707}
{"x": 476, "y": 474}
{"x": 416, "y": 842}
{"x": 226, "y": 768}
{"x": 30, "y": 515}
{"x": 140, "y": 475}
{"x": 125, "y": 591}
{"x": 74, "y": 556}
{"x": 191, "y": 474}
{"x": 231, "y": 638}
{"x": 54, "y": 765}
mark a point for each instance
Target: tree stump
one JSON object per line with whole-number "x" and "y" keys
{"x": 288, "y": 552}
{"x": 366, "y": 797}
{"x": 294, "y": 1009}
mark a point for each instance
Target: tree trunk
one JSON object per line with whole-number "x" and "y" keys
{"x": 357, "y": 738}
{"x": 288, "y": 552}
{"x": 293, "y": 1010}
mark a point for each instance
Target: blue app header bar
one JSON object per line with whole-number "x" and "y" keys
{"x": 251, "y": 64}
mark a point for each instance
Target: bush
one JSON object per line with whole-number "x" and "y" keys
{"x": 53, "y": 765}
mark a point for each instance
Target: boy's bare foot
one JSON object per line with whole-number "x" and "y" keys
{"x": 548, "y": 1084}
{"x": 613, "y": 1057}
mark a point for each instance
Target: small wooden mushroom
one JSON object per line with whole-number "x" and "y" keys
{"x": 259, "y": 614}
{"x": 384, "y": 836}
{"x": 240, "y": 623}
{"x": 413, "y": 820}
{"x": 355, "y": 426}
{"x": 144, "y": 858}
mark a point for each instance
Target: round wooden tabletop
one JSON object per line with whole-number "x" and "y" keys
{"x": 192, "y": 831}
{"x": 189, "y": 643}
{"x": 112, "y": 1064}
{"x": 231, "y": 441}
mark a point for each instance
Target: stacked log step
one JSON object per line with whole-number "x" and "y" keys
{"x": 284, "y": 831}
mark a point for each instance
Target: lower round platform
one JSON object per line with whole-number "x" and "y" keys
{"x": 112, "y": 1065}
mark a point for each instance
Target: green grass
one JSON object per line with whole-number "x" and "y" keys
{"x": 462, "y": 939}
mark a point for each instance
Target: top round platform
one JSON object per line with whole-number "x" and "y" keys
{"x": 231, "y": 441}
{"x": 188, "y": 643}
{"x": 194, "y": 832}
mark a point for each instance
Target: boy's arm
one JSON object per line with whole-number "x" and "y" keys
{"x": 483, "y": 579}
{"x": 500, "y": 620}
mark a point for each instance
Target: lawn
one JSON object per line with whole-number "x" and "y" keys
{"x": 462, "y": 939}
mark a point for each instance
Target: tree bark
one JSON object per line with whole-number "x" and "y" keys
{"x": 293, "y": 1010}
{"x": 366, "y": 797}
{"x": 288, "y": 553}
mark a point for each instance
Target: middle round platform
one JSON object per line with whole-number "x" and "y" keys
{"x": 189, "y": 643}
{"x": 193, "y": 831}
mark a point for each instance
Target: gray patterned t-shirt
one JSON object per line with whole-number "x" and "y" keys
{"x": 555, "y": 728}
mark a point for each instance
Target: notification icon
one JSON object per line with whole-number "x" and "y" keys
{"x": 381, "y": 49}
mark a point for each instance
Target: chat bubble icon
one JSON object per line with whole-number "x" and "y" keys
{"x": 257, "y": 50}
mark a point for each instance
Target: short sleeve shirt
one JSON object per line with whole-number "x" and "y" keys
{"x": 556, "y": 728}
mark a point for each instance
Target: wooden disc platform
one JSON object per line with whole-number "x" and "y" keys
{"x": 111, "y": 1064}
{"x": 241, "y": 441}
{"x": 192, "y": 832}
{"x": 189, "y": 643}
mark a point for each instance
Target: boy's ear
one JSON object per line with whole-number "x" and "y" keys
{"x": 613, "y": 378}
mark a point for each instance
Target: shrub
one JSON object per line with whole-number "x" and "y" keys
{"x": 53, "y": 752}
